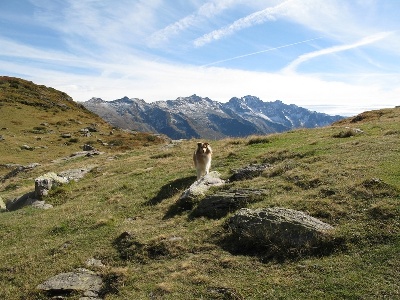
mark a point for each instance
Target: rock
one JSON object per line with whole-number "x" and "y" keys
{"x": 40, "y": 204}
{"x": 190, "y": 196}
{"x": 92, "y": 262}
{"x": 248, "y": 172}
{"x": 46, "y": 182}
{"x": 26, "y": 147}
{"x": 92, "y": 128}
{"x": 88, "y": 147}
{"x": 18, "y": 169}
{"x": 80, "y": 280}
{"x": 27, "y": 199}
{"x": 278, "y": 228}
{"x": 221, "y": 203}
{"x": 75, "y": 174}
{"x": 43, "y": 184}
{"x": 78, "y": 155}
{"x": 66, "y": 135}
{"x": 203, "y": 185}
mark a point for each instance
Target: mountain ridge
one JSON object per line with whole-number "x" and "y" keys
{"x": 202, "y": 117}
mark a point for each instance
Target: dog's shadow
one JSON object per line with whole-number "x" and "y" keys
{"x": 171, "y": 189}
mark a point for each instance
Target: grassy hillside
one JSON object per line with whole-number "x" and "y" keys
{"x": 52, "y": 125}
{"x": 347, "y": 175}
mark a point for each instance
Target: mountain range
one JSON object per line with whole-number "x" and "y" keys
{"x": 198, "y": 117}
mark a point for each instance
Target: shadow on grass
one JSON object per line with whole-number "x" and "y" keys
{"x": 171, "y": 189}
{"x": 180, "y": 206}
{"x": 275, "y": 251}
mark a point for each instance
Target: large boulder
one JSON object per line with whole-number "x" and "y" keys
{"x": 201, "y": 186}
{"x": 278, "y": 228}
{"x": 80, "y": 280}
{"x": 46, "y": 182}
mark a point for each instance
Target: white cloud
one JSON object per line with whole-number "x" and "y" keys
{"x": 104, "y": 62}
{"x": 259, "y": 17}
{"x": 206, "y": 11}
{"x": 365, "y": 41}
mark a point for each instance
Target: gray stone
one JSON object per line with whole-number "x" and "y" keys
{"x": 18, "y": 169}
{"x": 92, "y": 262}
{"x": 92, "y": 128}
{"x": 75, "y": 174}
{"x": 201, "y": 186}
{"x": 40, "y": 204}
{"x": 26, "y": 147}
{"x": 281, "y": 227}
{"x": 27, "y": 199}
{"x": 46, "y": 182}
{"x": 80, "y": 280}
{"x": 43, "y": 184}
{"x": 87, "y": 147}
{"x": 221, "y": 203}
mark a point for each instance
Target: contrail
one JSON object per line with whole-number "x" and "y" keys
{"x": 365, "y": 41}
{"x": 258, "y": 52}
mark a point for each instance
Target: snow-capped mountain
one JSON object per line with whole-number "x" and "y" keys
{"x": 197, "y": 117}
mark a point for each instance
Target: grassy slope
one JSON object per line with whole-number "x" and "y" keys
{"x": 38, "y": 116}
{"x": 350, "y": 182}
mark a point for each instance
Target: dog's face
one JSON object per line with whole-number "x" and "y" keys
{"x": 202, "y": 147}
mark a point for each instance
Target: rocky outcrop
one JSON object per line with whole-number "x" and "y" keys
{"x": 221, "y": 203}
{"x": 278, "y": 229}
{"x": 43, "y": 185}
{"x": 46, "y": 182}
{"x": 201, "y": 186}
{"x": 81, "y": 281}
{"x": 18, "y": 169}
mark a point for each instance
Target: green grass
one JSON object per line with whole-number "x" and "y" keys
{"x": 349, "y": 182}
{"x": 38, "y": 116}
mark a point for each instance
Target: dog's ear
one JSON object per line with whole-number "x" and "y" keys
{"x": 199, "y": 145}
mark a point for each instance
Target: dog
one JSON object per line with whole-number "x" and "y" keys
{"x": 202, "y": 159}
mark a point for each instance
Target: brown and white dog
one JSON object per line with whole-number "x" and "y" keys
{"x": 202, "y": 159}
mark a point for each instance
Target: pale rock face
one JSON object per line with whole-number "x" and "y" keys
{"x": 278, "y": 226}
{"x": 46, "y": 182}
{"x": 80, "y": 280}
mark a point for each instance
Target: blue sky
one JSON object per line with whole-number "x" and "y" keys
{"x": 332, "y": 56}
